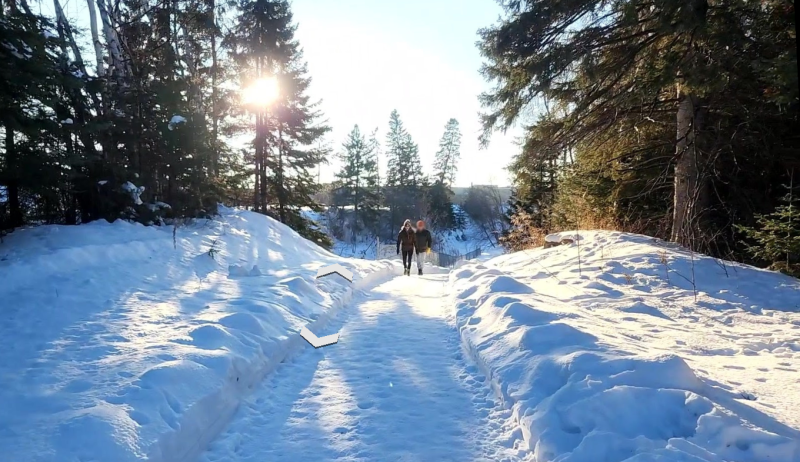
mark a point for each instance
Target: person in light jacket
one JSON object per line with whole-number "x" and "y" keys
{"x": 423, "y": 244}
{"x": 406, "y": 239}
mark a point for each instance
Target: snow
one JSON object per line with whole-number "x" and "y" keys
{"x": 48, "y": 34}
{"x": 176, "y": 120}
{"x": 67, "y": 121}
{"x": 134, "y": 191}
{"x": 607, "y": 355}
{"x": 158, "y": 205}
{"x": 124, "y": 345}
{"x": 15, "y": 51}
{"x": 395, "y": 387}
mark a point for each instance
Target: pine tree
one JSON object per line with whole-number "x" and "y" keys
{"x": 359, "y": 181}
{"x": 45, "y": 126}
{"x": 404, "y": 177}
{"x": 372, "y": 179}
{"x": 778, "y": 235}
{"x": 440, "y": 206}
{"x": 621, "y": 76}
{"x": 286, "y": 133}
{"x": 445, "y": 165}
{"x": 375, "y": 146}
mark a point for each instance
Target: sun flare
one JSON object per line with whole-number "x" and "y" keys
{"x": 262, "y": 92}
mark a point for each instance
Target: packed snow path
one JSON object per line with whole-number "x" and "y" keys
{"x": 395, "y": 388}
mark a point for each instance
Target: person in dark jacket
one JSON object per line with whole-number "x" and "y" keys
{"x": 406, "y": 239}
{"x": 423, "y": 244}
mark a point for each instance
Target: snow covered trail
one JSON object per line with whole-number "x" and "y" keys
{"x": 396, "y": 388}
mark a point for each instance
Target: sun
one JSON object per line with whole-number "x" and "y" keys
{"x": 262, "y": 92}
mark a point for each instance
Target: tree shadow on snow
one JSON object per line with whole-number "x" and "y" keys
{"x": 409, "y": 405}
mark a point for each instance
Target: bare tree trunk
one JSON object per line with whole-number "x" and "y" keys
{"x": 263, "y": 166}
{"x": 279, "y": 177}
{"x": 65, "y": 32}
{"x": 98, "y": 47}
{"x": 690, "y": 195}
{"x": 25, "y": 7}
{"x": 112, "y": 41}
{"x": 214, "y": 94}
{"x": 257, "y": 174}
{"x": 12, "y": 185}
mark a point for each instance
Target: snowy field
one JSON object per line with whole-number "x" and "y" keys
{"x": 123, "y": 343}
{"x": 621, "y": 357}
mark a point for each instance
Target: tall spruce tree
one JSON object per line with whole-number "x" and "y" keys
{"x": 286, "y": 152}
{"x": 404, "y": 177}
{"x": 445, "y": 166}
{"x": 359, "y": 182}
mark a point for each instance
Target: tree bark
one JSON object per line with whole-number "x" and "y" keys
{"x": 280, "y": 187}
{"x": 98, "y": 47}
{"x": 263, "y": 170}
{"x": 112, "y": 42}
{"x": 690, "y": 196}
{"x": 16, "y": 217}
{"x": 214, "y": 96}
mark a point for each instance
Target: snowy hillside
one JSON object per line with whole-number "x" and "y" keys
{"x": 451, "y": 242}
{"x": 123, "y": 342}
{"x": 610, "y": 357}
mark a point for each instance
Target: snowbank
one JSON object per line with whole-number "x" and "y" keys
{"x": 124, "y": 343}
{"x": 608, "y": 357}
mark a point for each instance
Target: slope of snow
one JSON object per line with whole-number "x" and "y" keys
{"x": 125, "y": 343}
{"x": 395, "y": 388}
{"x": 606, "y": 350}
{"x": 451, "y": 242}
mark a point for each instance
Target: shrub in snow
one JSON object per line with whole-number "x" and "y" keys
{"x": 777, "y": 236}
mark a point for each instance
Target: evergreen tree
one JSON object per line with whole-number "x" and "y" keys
{"x": 619, "y": 80}
{"x": 375, "y": 175}
{"x": 445, "y": 165}
{"x": 404, "y": 167}
{"x": 778, "y": 235}
{"x": 359, "y": 182}
{"x": 286, "y": 133}
{"x": 404, "y": 178}
{"x": 440, "y": 206}
{"x": 460, "y": 218}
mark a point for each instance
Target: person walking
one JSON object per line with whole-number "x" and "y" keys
{"x": 406, "y": 238}
{"x": 423, "y": 244}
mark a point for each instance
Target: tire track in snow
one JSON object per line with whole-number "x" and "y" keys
{"x": 396, "y": 388}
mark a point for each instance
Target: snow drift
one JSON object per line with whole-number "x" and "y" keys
{"x": 608, "y": 349}
{"x": 126, "y": 343}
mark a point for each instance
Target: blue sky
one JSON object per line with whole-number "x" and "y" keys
{"x": 367, "y": 57}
